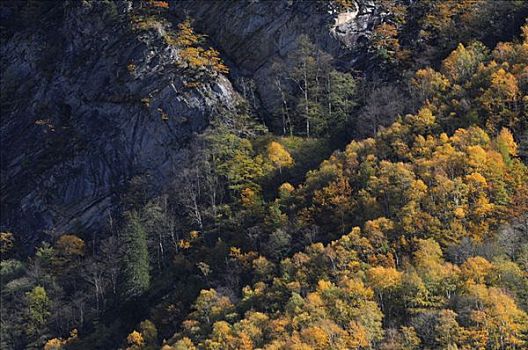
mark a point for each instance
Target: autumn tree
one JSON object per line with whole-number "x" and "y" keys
{"x": 279, "y": 156}
{"x": 69, "y": 249}
{"x": 385, "y": 41}
{"x": 7, "y": 241}
{"x": 61, "y": 343}
{"x": 208, "y": 308}
{"x": 383, "y": 281}
{"x": 382, "y": 105}
{"x": 429, "y": 85}
{"x": 193, "y": 56}
{"x": 498, "y": 315}
{"x": 476, "y": 269}
{"x": 135, "y": 341}
{"x": 38, "y": 307}
{"x": 463, "y": 62}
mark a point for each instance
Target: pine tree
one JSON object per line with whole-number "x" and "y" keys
{"x": 135, "y": 269}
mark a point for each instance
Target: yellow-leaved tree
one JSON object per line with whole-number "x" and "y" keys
{"x": 279, "y": 156}
{"x": 192, "y": 54}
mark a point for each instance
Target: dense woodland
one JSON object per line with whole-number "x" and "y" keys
{"x": 383, "y": 208}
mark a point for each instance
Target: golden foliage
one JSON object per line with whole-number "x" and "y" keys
{"x": 194, "y": 56}
{"x": 184, "y": 244}
{"x": 385, "y": 40}
{"x": 505, "y": 138}
{"x": 248, "y": 197}
{"x": 505, "y": 84}
{"x": 159, "y": 4}
{"x": 286, "y": 189}
{"x": 70, "y": 245}
{"x": 7, "y": 241}
{"x": 54, "y": 344}
{"x": 476, "y": 268}
{"x": 135, "y": 340}
{"x": 60, "y": 343}
{"x": 382, "y": 278}
{"x": 499, "y": 316}
{"x": 461, "y": 63}
{"x": 279, "y": 156}
{"x": 428, "y": 82}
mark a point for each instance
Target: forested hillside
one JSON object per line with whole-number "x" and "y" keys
{"x": 359, "y": 180}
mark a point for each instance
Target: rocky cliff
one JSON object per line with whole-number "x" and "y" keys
{"x": 88, "y": 102}
{"x": 256, "y": 34}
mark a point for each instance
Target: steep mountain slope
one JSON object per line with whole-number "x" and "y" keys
{"x": 142, "y": 195}
{"x": 87, "y": 103}
{"x": 256, "y": 34}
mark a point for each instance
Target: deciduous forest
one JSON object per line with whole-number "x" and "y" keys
{"x": 368, "y": 193}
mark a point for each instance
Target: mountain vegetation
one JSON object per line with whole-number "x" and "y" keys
{"x": 380, "y": 207}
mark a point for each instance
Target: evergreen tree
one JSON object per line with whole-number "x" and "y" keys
{"x": 135, "y": 269}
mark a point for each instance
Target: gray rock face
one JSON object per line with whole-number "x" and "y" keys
{"x": 254, "y": 34}
{"x": 87, "y": 103}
